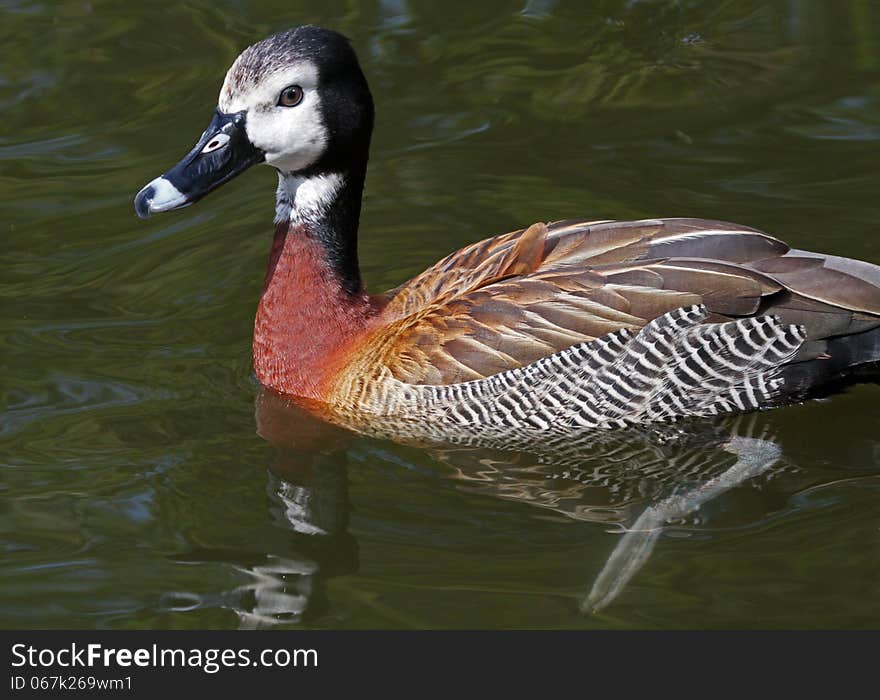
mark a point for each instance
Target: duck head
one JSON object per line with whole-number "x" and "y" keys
{"x": 297, "y": 101}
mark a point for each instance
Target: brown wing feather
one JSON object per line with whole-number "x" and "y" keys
{"x": 510, "y": 300}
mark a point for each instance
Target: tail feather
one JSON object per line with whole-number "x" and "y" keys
{"x": 837, "y": 301}
{"x": 847, "y": 359}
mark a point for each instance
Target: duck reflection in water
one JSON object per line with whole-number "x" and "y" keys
{"x": 307, "y": 488}
{"x": 636, "y": 482}
{"x": 291, "y": 588}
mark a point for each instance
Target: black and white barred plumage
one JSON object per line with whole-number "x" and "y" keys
{"x": 674, "y": 367}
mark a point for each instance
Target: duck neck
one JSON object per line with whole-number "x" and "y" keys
{"x": 313, "y": 303}
{"x": 327, "y": 206}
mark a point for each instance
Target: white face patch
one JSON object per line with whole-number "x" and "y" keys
{"x": 302, "y": 199}
{"x": 293, "y": 138}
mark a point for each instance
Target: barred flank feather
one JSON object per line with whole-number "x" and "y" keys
{"x": 675, "y": 366}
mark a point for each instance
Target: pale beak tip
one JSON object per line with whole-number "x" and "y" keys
{"x": 143, "y": 200}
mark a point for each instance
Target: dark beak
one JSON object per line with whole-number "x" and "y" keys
{"x": 222, "y": 152}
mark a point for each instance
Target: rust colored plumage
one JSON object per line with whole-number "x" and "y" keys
{"x": 507, "y": 301}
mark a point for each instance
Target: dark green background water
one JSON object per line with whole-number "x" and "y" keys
{"x": 136, "y": 491}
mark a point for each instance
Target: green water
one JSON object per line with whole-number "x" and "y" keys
{"x": 140, "y": 483}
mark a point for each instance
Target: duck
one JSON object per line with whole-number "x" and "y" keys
{"x": 557, "y": 328}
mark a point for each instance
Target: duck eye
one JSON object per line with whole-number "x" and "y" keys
{"x": 290, "y": 96}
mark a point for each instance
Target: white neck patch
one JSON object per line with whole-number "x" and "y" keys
{"x": 303, "y": 199}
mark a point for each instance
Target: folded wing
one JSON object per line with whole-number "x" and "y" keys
{"x": 508, "y": 301}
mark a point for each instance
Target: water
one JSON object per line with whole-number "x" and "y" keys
{"x": 146, "y": 483}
